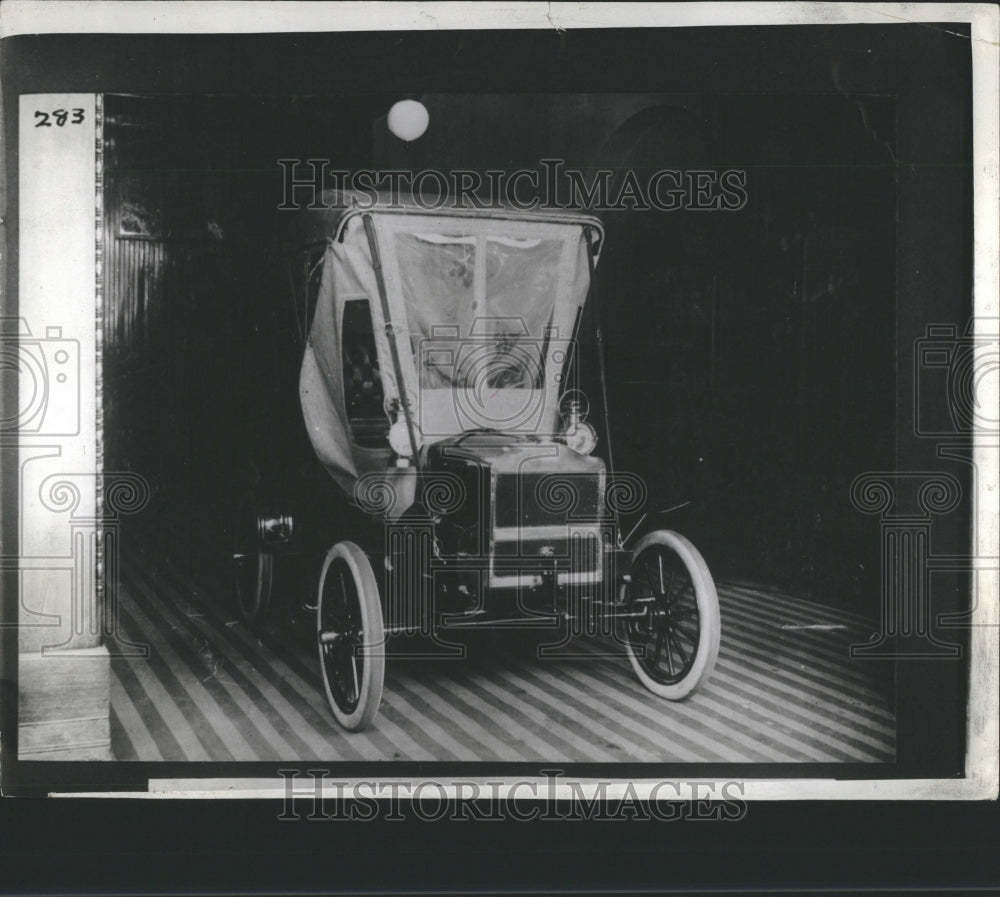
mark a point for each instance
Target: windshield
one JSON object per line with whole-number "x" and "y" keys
{"x": 479, "y": 306}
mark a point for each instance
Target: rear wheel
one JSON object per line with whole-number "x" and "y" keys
{"x": 673, "y": 646}
{"x": 350, "y": 636}
{"x": 253, "y": 565}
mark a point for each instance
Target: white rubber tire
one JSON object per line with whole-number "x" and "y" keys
{"x": 709, "y": 621}
{"x": 373, "y": 637}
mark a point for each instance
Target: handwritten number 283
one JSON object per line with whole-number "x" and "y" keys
{"x": 60, "y": 116}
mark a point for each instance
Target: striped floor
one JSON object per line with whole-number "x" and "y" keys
{"x": 784, "y": 690}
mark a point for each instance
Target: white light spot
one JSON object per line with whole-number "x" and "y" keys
{"x": 408, "y": 119}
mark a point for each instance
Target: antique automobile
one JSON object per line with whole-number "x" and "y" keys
{"x": 465, "y": 485}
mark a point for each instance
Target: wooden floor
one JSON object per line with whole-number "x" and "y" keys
{"x": 784, "y": 690}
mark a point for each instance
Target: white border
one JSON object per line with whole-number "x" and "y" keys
{"x": 169, "y": 16}
{"x": 284, "y": 16}
{"x": 982, "y": 756}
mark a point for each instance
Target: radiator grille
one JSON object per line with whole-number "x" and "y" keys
{"x": 546, "y": 499}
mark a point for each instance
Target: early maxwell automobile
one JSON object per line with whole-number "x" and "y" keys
{"x": 439, "y": 387}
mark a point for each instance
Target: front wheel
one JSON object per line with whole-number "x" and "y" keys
{"x": 350, "y": 636}
{"x": 673, "y": 643}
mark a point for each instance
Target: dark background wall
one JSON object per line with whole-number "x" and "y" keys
{"x": 750, "y": 352}
{"x": 198, "y": 319}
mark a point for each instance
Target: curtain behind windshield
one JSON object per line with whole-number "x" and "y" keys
{"x": 478, "y": 327}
